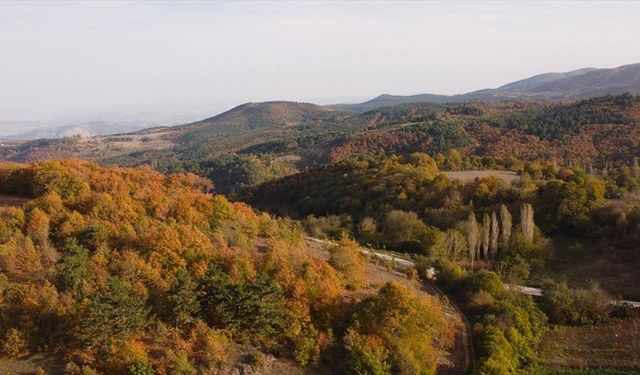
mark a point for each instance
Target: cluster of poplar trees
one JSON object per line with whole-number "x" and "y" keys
{"x": 485, "y": 240}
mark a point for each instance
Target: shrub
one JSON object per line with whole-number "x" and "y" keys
{"x": 307, "y": 349}
{"x": 575, "y": 306}
{"x": 558, "y": 302}
{"x": 347, "y": 259}
{"x": 487, "y": 281}
{"x": 14, "y": 343}
{"x": 141, "y": 368}
{"x": 181, "y": 364}
{"x": 209, "y": 345}
{"x": 367, "y": 355}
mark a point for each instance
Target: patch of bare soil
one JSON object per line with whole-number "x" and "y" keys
{"x": 109, "y": 146}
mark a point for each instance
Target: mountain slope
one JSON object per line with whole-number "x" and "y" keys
{"x": 576, "y": 84}
{"x": 387, "y": 99}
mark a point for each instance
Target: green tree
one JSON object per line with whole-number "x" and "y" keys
{"x": 347, "y": 259}
{"x": 114, "y": 312}
{"x": 74, "y": 266}
{"x": 141, "y": 368}
{"x": 403, "y": 228}
{"x": 367, "y": 354}
{"x": 183, "y": 301}
{"x": 255, "y": 307}
{"x": 402, "y": 323}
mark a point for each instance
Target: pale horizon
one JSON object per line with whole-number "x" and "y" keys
{"x": 89, "y": 60}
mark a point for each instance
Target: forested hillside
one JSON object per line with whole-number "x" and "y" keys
{"x": 478, "y": 195}
{"x": 257, "y": 142}
{"x": 128, "y": 271}
{"x": 572, "y": 232}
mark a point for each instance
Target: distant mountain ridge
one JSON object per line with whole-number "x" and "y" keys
{"x": 576, "y": 84}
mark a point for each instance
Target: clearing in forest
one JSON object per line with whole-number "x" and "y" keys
{"x": 470, "y": 176}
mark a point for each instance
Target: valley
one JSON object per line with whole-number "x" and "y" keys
{"x": 235, "y": 243}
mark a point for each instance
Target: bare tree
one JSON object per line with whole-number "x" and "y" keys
{"x": 495, "y": 234}
{"x": 505, "y": 230}
{"x": 635, "y": 168}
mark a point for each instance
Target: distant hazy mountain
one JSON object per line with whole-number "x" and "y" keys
{"x": 577, "y": 84}
{"x": 85, "y": 129}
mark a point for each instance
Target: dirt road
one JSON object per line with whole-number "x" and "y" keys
{"x": 456, "y": 362}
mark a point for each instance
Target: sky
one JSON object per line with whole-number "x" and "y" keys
{"x": 93, "y": 60}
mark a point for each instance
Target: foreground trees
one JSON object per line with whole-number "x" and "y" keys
{"x": 394, "y": 331}
{"x": 129, "y": 271}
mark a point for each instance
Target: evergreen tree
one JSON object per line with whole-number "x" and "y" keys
{"x": 112, "y": 313}
{"x": 183, "y": 299}
{"x": 255, "y": 307}
{"x": 74, "y": 266}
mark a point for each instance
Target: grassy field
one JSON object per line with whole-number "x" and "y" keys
{"x": 584, "y": 264}
{"x": 469, "y": 176}
{"x": 612, "y": 346}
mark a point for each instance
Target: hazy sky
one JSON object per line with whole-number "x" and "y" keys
{"x": 61, "y": 59}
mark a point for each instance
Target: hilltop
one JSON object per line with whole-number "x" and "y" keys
{"x": 257, "y": 142}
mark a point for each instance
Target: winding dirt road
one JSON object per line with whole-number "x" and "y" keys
{"x": 460, "y": 360}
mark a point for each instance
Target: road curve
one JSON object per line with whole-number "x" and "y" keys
{"x": 530, "y": 291}
{"x": 537, "y": 292}
{"x": 466, "y": 331}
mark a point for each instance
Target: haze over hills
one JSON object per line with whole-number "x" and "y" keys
{"x": 85, "y": 129}
{"x": 292, "y": 135}
{"x": 98, "y": 124}
{"x": 576, "y": 84}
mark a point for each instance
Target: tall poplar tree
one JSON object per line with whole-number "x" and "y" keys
{"x": 505, "y": 229}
